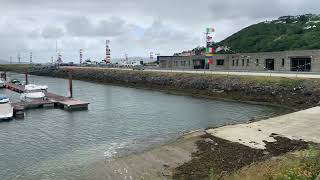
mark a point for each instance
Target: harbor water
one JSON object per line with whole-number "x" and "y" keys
{"x": 57, "y": 144}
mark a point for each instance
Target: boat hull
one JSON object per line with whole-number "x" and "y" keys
{"x": 6, "y": 111}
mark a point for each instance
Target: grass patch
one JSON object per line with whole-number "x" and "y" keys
{"x": 304, "y": 165}
{"x": 291, "y": 83}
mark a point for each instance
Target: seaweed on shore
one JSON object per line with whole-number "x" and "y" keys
{"x": 217, "y": 157}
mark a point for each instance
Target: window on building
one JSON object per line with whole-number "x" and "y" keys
{"x": 282, "y": 63}
{"x": 189, "y": 63}
{"x": 257, "y": 62}
{"x": 242, "y": 62}
{"x": 232, "y": 62}
{"x": 220, "y": 62}
{"x": 237, "y": 62}
{"x": 248, "y": 62}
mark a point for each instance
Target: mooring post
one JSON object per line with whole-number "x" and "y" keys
{"x": 26, "y": 75}
{"x": 70, "y": 84}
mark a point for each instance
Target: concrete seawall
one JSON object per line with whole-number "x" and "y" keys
{"x": 293, "y": 93}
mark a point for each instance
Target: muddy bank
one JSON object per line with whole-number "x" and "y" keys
{"x": 285, "y": 92}
{"x": 156, "y": 163}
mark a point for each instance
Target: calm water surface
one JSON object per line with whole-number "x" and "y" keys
{"x": 55, "y": 144}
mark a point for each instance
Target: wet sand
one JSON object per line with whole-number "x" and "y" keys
{"x": 156, "y": 163}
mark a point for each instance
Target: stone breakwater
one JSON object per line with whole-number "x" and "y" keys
{"x": 294, "y": 93}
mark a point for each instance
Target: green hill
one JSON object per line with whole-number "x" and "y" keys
{"x": 286, "y": 33}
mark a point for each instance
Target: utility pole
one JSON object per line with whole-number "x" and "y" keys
{"x": 70, "y": 84}
{"x": 26, "y": 76}
{"x": 56, "y": 55}
{"x": 30, "y": 57}
{"x": 19, "y": 58}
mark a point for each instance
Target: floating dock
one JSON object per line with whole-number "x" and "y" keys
{"x": 52, "y": 100}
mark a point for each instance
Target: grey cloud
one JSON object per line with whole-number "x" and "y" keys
{"x": 253, "y": 9}
{"x": 34, "y": 34}
{"x": 51, "y": 32}
{"x": 82, "y": 26}
{"x": 179, "y": 23}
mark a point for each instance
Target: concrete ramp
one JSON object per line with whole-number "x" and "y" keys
{"x": 303, "y": 125}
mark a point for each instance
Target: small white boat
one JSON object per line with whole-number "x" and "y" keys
{"x": 2, "y": 83}
{"x": 31, "y": 96}
{"x": 34, "y": 92}
{"x": 33, "y": 87}
{"x": 6, "y": 109}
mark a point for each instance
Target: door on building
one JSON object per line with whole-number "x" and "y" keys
{"x": 301, "y": 64}
{"x": 200, "y": 64}
{"x": 270, "y": 64}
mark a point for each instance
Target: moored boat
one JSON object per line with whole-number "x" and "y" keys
{"x": 33, "y": 87}
{"x": 34, "y": 92}
{"x": 6, "y": 109}
{"x": 2, "y": 83}
{"x": 31, "y": 96}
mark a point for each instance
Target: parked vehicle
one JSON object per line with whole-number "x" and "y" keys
{"x": 138, "y": 67}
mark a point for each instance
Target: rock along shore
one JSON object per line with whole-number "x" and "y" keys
{"x": 294, "y": 93}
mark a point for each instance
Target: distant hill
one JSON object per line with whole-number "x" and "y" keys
{"x": 286, "y": 33}
{"x": 300, "y": 32}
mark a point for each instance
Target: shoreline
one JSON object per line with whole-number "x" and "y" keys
{"x": 194, "y": 153}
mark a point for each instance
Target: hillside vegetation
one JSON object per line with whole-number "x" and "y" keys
{"x": 286, "y": 33}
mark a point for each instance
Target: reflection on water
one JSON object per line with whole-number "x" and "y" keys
{"x": 52, "y": 143}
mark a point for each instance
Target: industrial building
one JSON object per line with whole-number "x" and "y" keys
{"x": 302, "y": 60}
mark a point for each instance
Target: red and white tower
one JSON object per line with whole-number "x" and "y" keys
{"x": 108, "y": 52}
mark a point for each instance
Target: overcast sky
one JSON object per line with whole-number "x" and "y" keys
{"x": 136, "y": 27}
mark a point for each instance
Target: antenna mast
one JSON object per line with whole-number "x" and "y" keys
{"x": 31, "y": 57}
{"x": 80, "y": 56}
{"x": 19, "y": 58}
